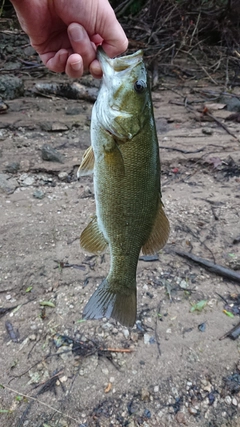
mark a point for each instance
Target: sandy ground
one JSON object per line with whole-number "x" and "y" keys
{"x": 178, "y": 372}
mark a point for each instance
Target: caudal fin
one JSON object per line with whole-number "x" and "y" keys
{"x": 106, "y": 303}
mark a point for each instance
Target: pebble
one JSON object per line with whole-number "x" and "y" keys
{"x": 8, "y": 185}
{"x": 63, "y": 176}
{"x": 32, "y": 337}
{"x": 12, "y": 167}
{"x": 125, "y": 333}
{"x": 105, "y": 371}
{"x": 27, "y": 181}
{"x": 50, "y": 154}
{"x": 38, "y": 194}
{"x": 207, "y": 131}
{"x": 146, "y": 338}
{"x": 180, "y": 418}
{"x": 134, "y": 336}
{"x": 228, "y": 400}
{"x": 145, "y": 395}
{"x": 234, "y": 401}
{"x": 156, "y": 389}
{"x": 192, "y": 411}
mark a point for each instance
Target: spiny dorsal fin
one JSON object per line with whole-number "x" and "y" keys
{"x": 87, "y": 164}
{"x": 159, "y": 234}
{"x": 92, "y": 239}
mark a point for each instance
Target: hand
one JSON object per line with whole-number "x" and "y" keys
{"x": 66, "y": 33}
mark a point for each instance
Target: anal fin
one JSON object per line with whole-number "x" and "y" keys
{"x": 92, "y": 239}
{"x": 159, "y": 234}
{"x": 87, "y": 164}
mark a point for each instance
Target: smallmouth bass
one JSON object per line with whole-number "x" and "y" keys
{"x": 124, "y": 157}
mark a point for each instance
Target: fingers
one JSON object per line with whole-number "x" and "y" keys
{"x": 95, "y": 69}
{"x": 114, "y": 38}
{"x": 81, "y": 44}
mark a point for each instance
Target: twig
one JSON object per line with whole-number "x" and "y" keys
{"x": 233, "y": 333}
{"x": 202, "y": 67}
{"x": 117, "y": 350}
{"x": 213, "y": 268}
{"x": 207, "y": 113}
{"x": 182, "y": 151}
{"x": 39, "y": 401}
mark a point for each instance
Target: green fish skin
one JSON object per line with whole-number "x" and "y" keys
{"x": 124, "y": 157}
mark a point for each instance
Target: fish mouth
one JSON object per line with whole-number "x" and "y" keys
{"x": 119, "y": 63}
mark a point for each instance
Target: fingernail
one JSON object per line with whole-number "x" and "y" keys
{"x": 76, "y": 33}
{"x": 76, "y": 66}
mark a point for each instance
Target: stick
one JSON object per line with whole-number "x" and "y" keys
{"x": 182, "y": 151}
{"x": 233, "y": 333}
{"x": 39, "y": 401}
{"x": 117, "y": 350}
{"x": 220, "y": 124}
{"x": 213, "y": 268}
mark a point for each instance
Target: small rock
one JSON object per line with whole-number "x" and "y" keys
{"x": 192, "y": 411}
{"x": 234, "y": 401}
{"x": 32, "y": 337}
{"x": 156, "y": 389}
{"x": 146, "y": 338}
{"x": 207, "y": 131}
{"x": 51, "y": 155}
{"x": 147, "y": 413}
{"x": 145, "y": 395}
{"x": 12, "y": 167}
{"x": 180, "y": 418}
{"x": 7, "y": 185}
{"x": 105, "y": 371}
{"x": 26, "y": 180}
{"x": 228, "y": 400}
{"x": 63, "y": 176}
{"x": 11, "y": 87}
{"x": 134, "y": 336}
{"x": 73, "y": 111}
{"x": 38, "y": 194}
{"x": 58, "y": 127}
{"x": 125, "y": 333}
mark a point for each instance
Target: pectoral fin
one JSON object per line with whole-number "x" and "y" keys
{"x": 92, "y": 239}
{"x": 114, "y": 161}
{"x": 87, "y": 164}
{"x": 159, "y": 234}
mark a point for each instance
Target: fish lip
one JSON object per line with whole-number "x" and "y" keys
{"x": 119, "y": 63}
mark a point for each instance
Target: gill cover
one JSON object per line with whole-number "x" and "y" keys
{"x": 123, "y": 96}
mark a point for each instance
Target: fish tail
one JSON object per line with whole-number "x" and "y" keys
{"x": 107, "y": 303}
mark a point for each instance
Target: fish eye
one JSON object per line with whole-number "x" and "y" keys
{"x": 139, "y": 86}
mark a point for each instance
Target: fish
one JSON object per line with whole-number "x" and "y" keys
{"x": 124, "y": 160}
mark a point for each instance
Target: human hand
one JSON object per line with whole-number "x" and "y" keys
{"x": 66, "y": 33}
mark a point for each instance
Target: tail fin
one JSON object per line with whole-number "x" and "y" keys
{"x": 106, "y": 303}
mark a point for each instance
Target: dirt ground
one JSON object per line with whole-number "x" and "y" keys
{"x": 173, "y": 369}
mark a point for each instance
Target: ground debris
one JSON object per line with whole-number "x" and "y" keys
{"x": 73, "y": 90}
{"x": 4, "y": 310}
{"x": 13, "y": 333}
{"x": 213, "y": 268}
{"x": 51, "y": 155}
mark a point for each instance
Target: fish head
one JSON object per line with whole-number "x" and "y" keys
{"x": 123, "y": 96}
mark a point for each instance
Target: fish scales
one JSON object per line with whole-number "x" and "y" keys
{"x": 124, "y": 158}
